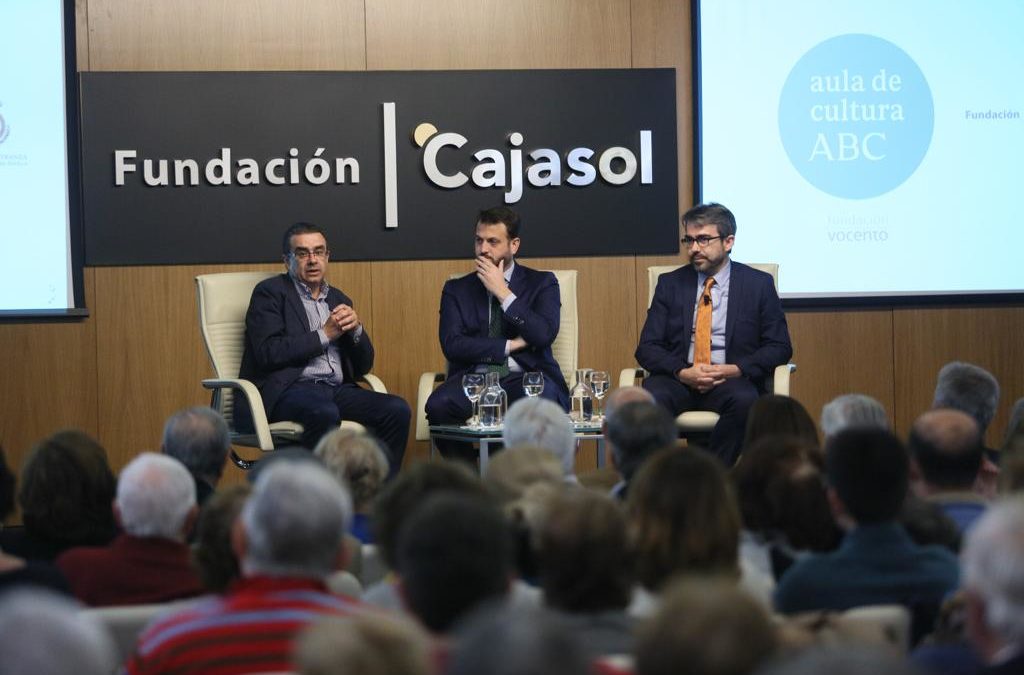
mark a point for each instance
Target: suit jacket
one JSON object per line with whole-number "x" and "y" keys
{"x": 534, "y": 315}
{"x": 756, "y": 334}
{"x": 279, "y": 343}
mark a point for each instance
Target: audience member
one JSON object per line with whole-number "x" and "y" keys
{"x": 65, "y": 493}
{"x": 542, "y": 423}
{"x": 927, "y": 523}
{"x": 15, "y": 571}
{"x": 212, "y": 553}
{"x": 367, "y": 644}
{"x": 523, "y": 482}
{"x": 398, "y": 501}
{"x": 852, "y": 411}
{"x": 783, "y": 504}
{"x": 357, "y": 459}
{"x": 198, "y": 438}
{"x": 149, "y": 561}
{"x": 946, "y": 453}
{"x": 604, "y": 478}
{"x": 1011, "y": 455}
{"x": 993, "y": 580}
{"x": 586, "y": 571}
{"x": 454, "y": 554}
{"x": 45, "y": 634}
{"x": 502, "y": 640}
{"x": 975, "y": 391}
{"x": 706, "y": 628}
{"x": 876, "y": 563}
{"x": 635, "y": 431}
{"x": 684, "y": 519}
{"x": 289, "y": 539}
{"x": 774, "y": 414}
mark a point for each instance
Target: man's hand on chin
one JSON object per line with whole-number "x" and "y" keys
{"x": 492, "y": 276}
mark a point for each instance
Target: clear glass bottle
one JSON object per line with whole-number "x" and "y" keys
{"x": 493, "y": 402}
{"x": 581, "y": 398}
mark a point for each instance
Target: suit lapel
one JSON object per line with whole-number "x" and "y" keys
{"x": 736, "y": 297}
{"x": 291, "y": 298}
{"x": 689, "y": 292}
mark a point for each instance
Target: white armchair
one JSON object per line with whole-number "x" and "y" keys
{"x": 223, "y": 300}
{"x": 701, "y": 421}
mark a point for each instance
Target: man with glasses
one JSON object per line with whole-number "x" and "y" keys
{"x": 715, "y": 331}
{"x": 305, "y": 348}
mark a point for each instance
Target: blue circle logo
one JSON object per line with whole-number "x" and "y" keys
{"x": 856, "y": 116}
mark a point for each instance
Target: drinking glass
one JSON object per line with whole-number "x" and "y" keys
{"x": 473, "y": 386}
{"x": 533, "y": 383}
{"x": 599, "y": 382}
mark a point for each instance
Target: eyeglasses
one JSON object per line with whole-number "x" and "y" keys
{"x": 702, "y": 241}
{"x": 303, "y": 254}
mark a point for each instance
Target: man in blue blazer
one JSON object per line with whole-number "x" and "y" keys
{"x": 519, "y": 305}
{"x": 305, "y": 348}
{"x": 748, "y": 333}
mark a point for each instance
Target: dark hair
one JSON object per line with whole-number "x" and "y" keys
{"x": 403, "y": 496}
{"x": 927, "y": 523}
{"x": 949, "y": 456}
{"x": 7, "y": 482}
{"x": 298, "y": 228}
{"x": 684, "y": 517}
{"x": 584, "y": 558}
{"x": 454, "y": 553}
{"x": 711, "y": 214}
{"x": 199, "y": 438}
{"x": 636, "y": 431}
{"x": 212, "y": 554}
{"x": 776, "y": 414}
{"x": 501, "y": 215}
{"x": 67, "y": 491}
{"x": 781, "y": 490}
{"x": 868, "y": 469}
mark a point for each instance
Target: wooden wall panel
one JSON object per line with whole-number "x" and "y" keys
{"x": 226, "y": 35}
{"x": 411, "y": 34}
{"x": 82, "y": 34}
{"x": 926, "y": 339}
{"x": 49, "y": 379}
{"x": 840, "y": 353}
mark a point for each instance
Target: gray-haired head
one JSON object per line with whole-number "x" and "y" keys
{"x": 992, "y": 562}
{"x": 295, "y": 521}
{"x": 155, "y": 497}
{"x": 198, "y": 437}
{"x": 636, "y": 431}
{"x": 851, "y": 411}
{"x": 44, "y": 634}
{"x": 620, "y": 396}
{"x": 358, "y": 460}
{"x": 543, "y": 424}
{"x": 968, "y": 388}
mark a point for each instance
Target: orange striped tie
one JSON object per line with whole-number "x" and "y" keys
{"x": 702, "y": 337}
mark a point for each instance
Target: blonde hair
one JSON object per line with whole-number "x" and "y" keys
{"x": 357, "y": 460}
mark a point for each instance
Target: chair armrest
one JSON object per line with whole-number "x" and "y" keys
{"x": 779, "y": 384}
{"x": 252, "y": 395}
{"x": 629, "y": 376}
{"x": 376, "y": 384}
{"x": 426, "y": 388}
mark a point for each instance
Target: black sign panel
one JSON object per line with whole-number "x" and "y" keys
{"x": 212, "y": 167}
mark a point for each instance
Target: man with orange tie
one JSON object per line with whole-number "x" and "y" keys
{"x": 714, "y": 332}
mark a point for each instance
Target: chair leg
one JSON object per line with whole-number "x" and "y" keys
{"x": 243, "y": 464}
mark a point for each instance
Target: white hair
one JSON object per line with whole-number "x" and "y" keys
{"x": 543, "y": 424}
{"x": 968, "y": 388}
{"x": 44, "y": 634}
{"x": 154, "y": 496}
{"x": 851, "y": 411}
{"x": 295, "y": 521}
{"x": 993, "y": 566}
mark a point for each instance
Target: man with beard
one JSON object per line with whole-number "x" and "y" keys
{"x": 502, "y": 317}
{"x": 305, "y": 348}
{"x": 715, "y": 331}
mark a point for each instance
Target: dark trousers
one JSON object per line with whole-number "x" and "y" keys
{"x": 731, "y": 400}
{"x": 448, "y": 405}
{"x": 319, "y": 408}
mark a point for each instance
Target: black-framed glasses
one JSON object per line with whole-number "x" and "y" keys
{"x": 701, "y": 241}
{"x": 303, "y": 254}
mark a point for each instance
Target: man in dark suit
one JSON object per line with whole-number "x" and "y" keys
{"x": 714, "y": 332}
{"x": 305, "y": 348}
{"x": 502, "y": 317}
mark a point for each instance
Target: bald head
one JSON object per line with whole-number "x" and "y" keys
{"x": 623, "y": 395}
{"x": 946, "y": 444}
